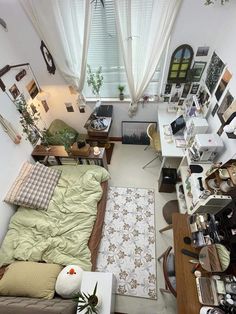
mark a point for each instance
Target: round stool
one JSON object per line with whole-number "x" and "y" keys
{"x": 168, "y": 209}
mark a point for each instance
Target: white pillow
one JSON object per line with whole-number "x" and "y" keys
{"x": 69, "y": 281}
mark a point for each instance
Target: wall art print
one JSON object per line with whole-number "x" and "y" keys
{"x": 186, "y": 90}
{"x": 135, "y": 132}
{"x": 214, "y": 72}
{"x": 32, "y": 89}
{"x": 14, "y": 91}
{"x": 168, "y": 89}
{"x": 216, "y": 107}
{"x": 226, "y": 102}
{"x": 223, "y": 84}
{"x": 194, "y": 89}
{"x": 197, "y": 70}
{"x": 202, "y": 51}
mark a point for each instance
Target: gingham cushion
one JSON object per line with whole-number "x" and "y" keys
{"x": 17, "y": 184}
{"x": 38, "y": 189}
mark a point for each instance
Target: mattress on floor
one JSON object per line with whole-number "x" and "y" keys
{"x": 21, "y": 305}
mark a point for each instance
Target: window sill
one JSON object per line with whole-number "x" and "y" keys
{"x": 113, "y": 100}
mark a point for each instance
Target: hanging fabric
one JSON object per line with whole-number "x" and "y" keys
{"x": 12, "y": 133}
{"x": 143, "y": 27}
{"x": 64, "y": 26}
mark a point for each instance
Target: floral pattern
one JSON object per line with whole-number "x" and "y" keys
{"x": 127, "y": 247}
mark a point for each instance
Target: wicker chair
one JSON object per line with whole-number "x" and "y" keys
{"x": 169, "y": 272}
{"x": 155, "y": 142}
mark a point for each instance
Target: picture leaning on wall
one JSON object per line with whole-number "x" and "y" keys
{"x": 135, "y": 132}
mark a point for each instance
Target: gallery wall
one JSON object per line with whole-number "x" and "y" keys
{"x": 214, "y": 26}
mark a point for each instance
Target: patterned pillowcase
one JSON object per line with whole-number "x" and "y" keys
{"x": 38, "y": 189}
{"x": 17, "y": 184}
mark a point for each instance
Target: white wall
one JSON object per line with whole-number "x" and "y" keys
{"x": 214, "y": 26}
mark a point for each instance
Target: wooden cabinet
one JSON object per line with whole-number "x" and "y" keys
{"x": 60, "y": 155}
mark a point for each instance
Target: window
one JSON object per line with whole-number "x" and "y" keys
{"x": 104, "y": 50}
{"x": 180, "y": 63}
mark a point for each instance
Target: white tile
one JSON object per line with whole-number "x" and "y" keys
{"x": 126, "y": 171}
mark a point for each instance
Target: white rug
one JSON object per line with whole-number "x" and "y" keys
{"x": 127, "y": 247}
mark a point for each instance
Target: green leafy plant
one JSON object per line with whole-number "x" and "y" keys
{"x": 121, "y": 88}
{"x": 66, "y": 137}
{"x": 87, "y": 301}
{"x": 28, "y": 119}
{"x": 95, "y": 79}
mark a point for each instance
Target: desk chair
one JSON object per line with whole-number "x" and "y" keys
{"x": 155, "y": 142}
{"x": 168, "y": 271}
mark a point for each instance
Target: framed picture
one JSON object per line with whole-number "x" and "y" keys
{"x": 181, "y": 101}
{"x": 186, "y": 90}
{"x": 166, "y": 98}
{"x": 168, "y": 89}
{"x": 203, "y": 96}
{"x": 69, "y": 107}
{"x": 175, "y": 97}
{"x": 202, "y": 51}
{"x": 14, "y": 91}
{"x": 135, "y": 132}
{"x": 214, "y": 72}
{"x": 223, "y": 84}
{"x": 45, "y": 105}
{"x": 216, "y": 107}
{"x": 32, "y": 89}
{"x": 197, "y": 70}
{"x": 194, "y": 89}
{"x": 225, "y": 104}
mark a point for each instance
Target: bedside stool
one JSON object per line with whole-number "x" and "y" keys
{"x": 106, "y": 288}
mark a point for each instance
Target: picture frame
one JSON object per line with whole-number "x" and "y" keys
{"x": 194, "y": 89}
{"x": 186, "y": 90}
{"x": 32, "y": 89}
{"x": 14, "y": 91}
{"x": 202, "y": 51}
{"x": 168, "y": 88}
{"x": 216, "y": 107}
{"x": 223, "y": 84}
{"x": 45, "y": 105}
{"x": 197, "y": 71}
{"x": 135, "y": 132}
{"x": 214, "y": 71}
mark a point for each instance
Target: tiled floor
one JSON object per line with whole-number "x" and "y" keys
{"x": 126, "y": 171}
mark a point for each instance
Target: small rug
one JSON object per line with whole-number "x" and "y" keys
{"x": 127, "y": 247}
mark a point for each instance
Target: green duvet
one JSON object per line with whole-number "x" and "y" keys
{"x": 60, "y": 234}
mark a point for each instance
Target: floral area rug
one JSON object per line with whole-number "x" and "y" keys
{"x": 127, "y": 247}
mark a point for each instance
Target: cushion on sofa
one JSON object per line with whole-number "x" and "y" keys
{"x": 30, "y": 279}
{"x": 17, "y": 184}
{"x": 54, "y": 132}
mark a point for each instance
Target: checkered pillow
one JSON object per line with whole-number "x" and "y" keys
{"x": 38, "y": 189}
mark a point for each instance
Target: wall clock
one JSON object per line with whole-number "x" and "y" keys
{"x": 48, "y": 58}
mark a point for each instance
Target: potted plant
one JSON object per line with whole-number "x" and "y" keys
{"x": 88, "y": 302}
{"x": 95, "y": 80}
{"x": 121, "y": 89}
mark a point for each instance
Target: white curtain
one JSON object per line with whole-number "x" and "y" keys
{"x": 143, "y": 27}
{"x": 64, "y": 26}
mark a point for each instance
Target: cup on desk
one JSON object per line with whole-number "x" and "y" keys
{"x": 96, "y": 150}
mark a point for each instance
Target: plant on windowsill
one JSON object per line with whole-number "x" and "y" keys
{"x": 95, "y": 80}
{"x": 121, "y": 89}
{"x": 88, "y": 302}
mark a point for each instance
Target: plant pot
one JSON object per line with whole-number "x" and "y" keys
{"x": 122, "y": 96}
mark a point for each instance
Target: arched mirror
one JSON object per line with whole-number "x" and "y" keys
{"x": 180, "y": 64}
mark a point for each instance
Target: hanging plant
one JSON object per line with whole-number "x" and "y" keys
{"x": 28, "y": 120}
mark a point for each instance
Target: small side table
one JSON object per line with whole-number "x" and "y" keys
{"x": 106, "y": 288}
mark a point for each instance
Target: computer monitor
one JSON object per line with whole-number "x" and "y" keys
{"x": 178, "y": 125}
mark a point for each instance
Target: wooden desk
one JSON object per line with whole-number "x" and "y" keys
{"x": 59, "y": 152}
{"x": 187, "y": 298}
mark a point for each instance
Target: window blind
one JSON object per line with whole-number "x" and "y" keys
{"x": 104, "y": 50}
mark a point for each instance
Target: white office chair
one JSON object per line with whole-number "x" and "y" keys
{"x": 155, "y": 142}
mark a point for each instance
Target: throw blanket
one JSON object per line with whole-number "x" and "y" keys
{"x": 59, "y": 235}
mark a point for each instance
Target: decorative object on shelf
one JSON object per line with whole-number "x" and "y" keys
{"x": 121, "y": 89}
{"x": 95, "y": 80}
{"x": 88, "y": 302}
{"x": 7, "y": 127}
{"x": 214, "y": 72}
{"x": 96, "y": 150}
{"x": 48, "y": 58}
{"x": 202, "y": 51}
